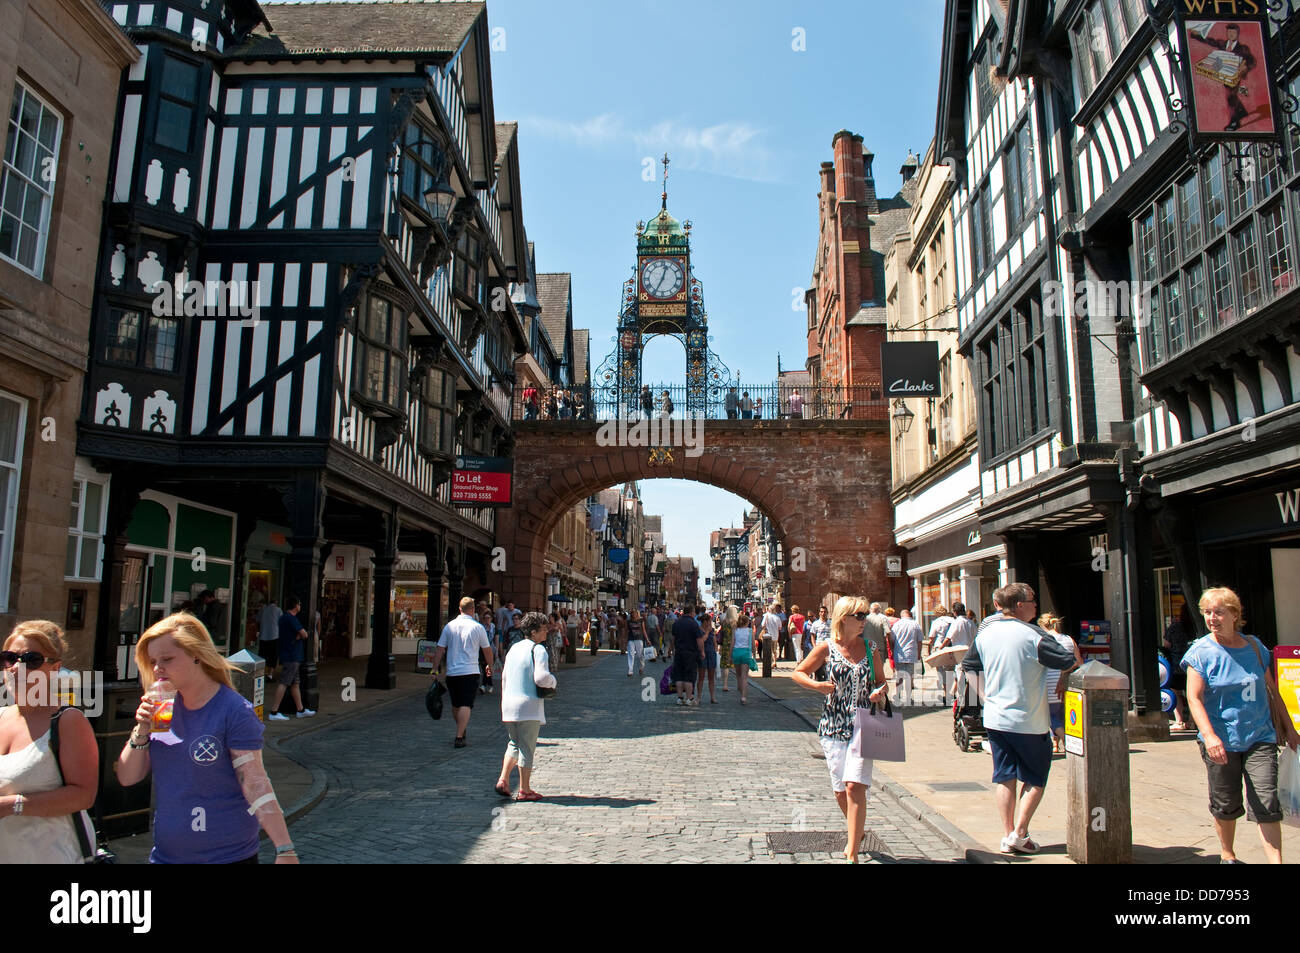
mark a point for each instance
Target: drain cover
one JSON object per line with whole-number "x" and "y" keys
{"x": 819, "y": 842}
{"x": 955, "y": 786}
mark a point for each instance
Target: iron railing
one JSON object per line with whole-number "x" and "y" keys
{"x": 761, "y": 402}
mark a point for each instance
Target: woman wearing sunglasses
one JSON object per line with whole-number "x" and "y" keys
{"x": 855, "y": 679}
{"x": 211, "y": 792}
{"x": 40, "y": 797}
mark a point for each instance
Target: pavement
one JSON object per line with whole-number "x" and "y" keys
{"x": 1168, "y": 793}
{"x": 629, "y": 776}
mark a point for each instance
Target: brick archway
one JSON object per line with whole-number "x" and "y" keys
{"x": 824, "y": 484}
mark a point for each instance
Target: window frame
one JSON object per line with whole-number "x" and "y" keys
{"x": 80, "y": 483}
{"x": 367, "y": 343}
{"x": 144, "y": 338}
{"x": 174, "y": 99}
{"x": 428, "y": 406}
{"x": 9, "y": 507}
{"x": 8, "y": 169}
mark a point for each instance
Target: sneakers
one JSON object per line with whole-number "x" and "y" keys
{"x": 680, "y": 701}
{"x": 306, "y": 713}
{"x": 276, "y": 716}
{"x": 1011, "y": 844}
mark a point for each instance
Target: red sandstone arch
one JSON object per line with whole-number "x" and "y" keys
{"x": 824, "y": 484}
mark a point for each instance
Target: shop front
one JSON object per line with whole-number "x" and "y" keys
{"x": 962, "y": 564}
{"x": 264, "y": 578}
{"x": 346, "y": 603}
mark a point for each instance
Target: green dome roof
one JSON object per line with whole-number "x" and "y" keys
{"x": 664, "y": 224}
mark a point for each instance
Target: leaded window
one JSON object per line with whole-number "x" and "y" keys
{"x": 1248, "y": 267}
{"x": 178, "y": 98}
{"x": 1012, "y": 360}
{"x": 437, "y": 425}
{"x": 1189, "y": 212}
{"x": 27, "y": 187}
{"x": 1277, "y": 253}
{"x": 381, "y": 352}
{"x": 142, "y": 339}
{"x": 1198, "y": 311}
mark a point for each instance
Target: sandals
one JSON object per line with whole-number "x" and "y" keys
{"x": 528, "y": 796}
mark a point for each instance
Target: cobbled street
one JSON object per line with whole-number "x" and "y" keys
{"x": 625, "y": 780}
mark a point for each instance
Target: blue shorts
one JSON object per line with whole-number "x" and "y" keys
{"x": 1056, "y": 711}
{"x": 1022, "y": 757}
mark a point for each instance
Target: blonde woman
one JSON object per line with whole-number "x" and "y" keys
{"x": 211, "y": 759}
{"x": 1054, "y": 626}
{"x": 1229, "y": 688}
{"x": 856, "y": 679}
{"x": 41, "y": 796}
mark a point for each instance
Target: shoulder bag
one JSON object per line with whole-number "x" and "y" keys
{"x": 532, "y": 659}
{"x": 1276, "y": 707}
{"x": 81, "y": 823}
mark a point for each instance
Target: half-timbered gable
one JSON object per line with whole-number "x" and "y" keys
{"x": 304, "y": 303}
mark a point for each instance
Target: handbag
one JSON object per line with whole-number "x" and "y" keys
{"x": 877, "y": 733}
{"x": 81, "y": 823}
{"x": 541, "y": 692}
{"x": 433, "y": 699}
{"x": 1276, "y": 707}
{"x": 649, "y": 654}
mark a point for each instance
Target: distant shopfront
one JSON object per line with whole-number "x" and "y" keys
{"x": 962, "y": 565}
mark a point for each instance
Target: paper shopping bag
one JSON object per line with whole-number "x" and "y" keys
{"x": 878, "y": 734}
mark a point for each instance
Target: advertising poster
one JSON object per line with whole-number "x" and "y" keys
{"x": 1288, "y": 679}
{"x": 1227, "y": 73}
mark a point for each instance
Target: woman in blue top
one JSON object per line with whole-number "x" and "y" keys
{"x": 1228, "y": 689}
{"x": 211, "y": 792}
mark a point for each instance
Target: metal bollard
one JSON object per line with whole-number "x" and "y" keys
{"x": 1099, "y": 822}
{"x": 767, "y": 657}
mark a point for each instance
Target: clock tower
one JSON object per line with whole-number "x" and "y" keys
{"x": 662, "y": 297}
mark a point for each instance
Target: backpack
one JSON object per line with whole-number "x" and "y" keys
{"x": 668, "y": 404}
{"x": 666, "y": 684}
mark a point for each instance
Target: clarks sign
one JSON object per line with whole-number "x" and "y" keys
{"x": 910, "y": 368}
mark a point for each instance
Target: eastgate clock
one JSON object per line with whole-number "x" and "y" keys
{"x": 662, "y": 277}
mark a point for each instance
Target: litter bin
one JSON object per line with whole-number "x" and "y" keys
{"x": 250, "y": 680}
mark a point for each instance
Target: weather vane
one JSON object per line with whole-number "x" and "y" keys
{"x": 664, "y": 197}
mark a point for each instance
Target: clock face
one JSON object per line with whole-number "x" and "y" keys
{"x": 662, "y": 277}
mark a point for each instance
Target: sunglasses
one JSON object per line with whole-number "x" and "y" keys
{"x": 30, "y": 659}
{"x": 860, "y": 616}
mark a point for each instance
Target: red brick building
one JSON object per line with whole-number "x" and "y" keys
{"x": 846, "y": 298}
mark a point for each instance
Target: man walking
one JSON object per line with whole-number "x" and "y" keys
{"x": 876, "y": 629}
{"x": 772, "y": 627}
{"x": 652, "y": 632}
{"x": 268, "y": 633}
{"x": 906, "y": 639}
{"x": 1014, "y": 656}
{"x": 463, "y": 638}
{"x": 688, "y": 640}
{"x": 505, "y": 616}
{"x": 292, "y": 636}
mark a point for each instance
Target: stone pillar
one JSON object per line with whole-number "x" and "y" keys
{"x": 970, "y": 591}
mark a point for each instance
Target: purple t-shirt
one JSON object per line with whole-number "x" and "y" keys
{"x": 197, "y": 773}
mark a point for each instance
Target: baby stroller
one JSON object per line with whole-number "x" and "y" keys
{"x": 968, "y": 711}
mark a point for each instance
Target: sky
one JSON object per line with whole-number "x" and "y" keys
{"x": 744, "y": 97}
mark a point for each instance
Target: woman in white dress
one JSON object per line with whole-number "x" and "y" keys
{"x": 39, "y": 796}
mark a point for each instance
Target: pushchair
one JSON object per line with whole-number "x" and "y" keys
{"x": 968, "y": 711}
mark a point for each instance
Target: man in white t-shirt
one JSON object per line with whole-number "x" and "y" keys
{"x": 463, "y": 638}
{"x": 772, "y": 625}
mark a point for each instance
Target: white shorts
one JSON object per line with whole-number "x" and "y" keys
{"x": 843, "y": 766}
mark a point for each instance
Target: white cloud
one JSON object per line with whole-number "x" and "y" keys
{"x": 732, "y": 149}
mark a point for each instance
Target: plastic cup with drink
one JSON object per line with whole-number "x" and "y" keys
{"x": 163, "y": 696}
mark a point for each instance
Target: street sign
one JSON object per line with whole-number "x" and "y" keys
{"x": 482, "y": 481}
{"x": 1074, "y": 722}
{"x": 894, "y": 565}
{"x": 910, "y": 368}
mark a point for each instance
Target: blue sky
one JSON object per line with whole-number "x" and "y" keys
{"x": 746, "y": 120}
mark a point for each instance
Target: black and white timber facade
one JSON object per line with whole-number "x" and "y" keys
{"x": 303, "y": 310}
{"x": 1129, "y": 311}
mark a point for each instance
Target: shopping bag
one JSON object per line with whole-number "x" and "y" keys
{"x": 433, "y": 699}
{"x": 649, "y": 654}
{"x": 1288, "y": 786}
{"x": 878, "y": 734}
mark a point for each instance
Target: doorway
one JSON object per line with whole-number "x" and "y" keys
{"x": 336, "y": 618}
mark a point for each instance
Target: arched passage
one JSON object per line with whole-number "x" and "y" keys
{"x": 824, "y": 485}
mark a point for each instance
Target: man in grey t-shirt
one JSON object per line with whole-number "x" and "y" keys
{"x": 906, "y": 639}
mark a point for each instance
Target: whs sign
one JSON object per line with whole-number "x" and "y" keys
{"x": 1288, "y": 505}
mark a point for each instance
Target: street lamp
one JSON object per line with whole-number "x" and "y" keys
{"x": 902, "y": 417}
{"x": 440, "y": 199}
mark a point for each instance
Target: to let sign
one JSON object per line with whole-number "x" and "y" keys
{"x": 910, "y": 368}
{"x": 482, "y": 481}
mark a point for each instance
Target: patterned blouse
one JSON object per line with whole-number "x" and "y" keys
{"x": 837, "y": 717}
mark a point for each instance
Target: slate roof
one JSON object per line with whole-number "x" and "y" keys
{"x": 413, "y": 27}
{"x": 553, "y": 295}
{"x": 581, "y": 344}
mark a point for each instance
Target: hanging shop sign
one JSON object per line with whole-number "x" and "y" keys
{"x": 618, "y": 555}
{"x": 1227, "y": 69}
{"x": 910, "y": 368}
{"x": 482, "y": 481}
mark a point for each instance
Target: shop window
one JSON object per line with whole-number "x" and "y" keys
{"x": 27, "y": 184}
{"x": 13, "y": 423}
{"x": 86, "y": 531}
